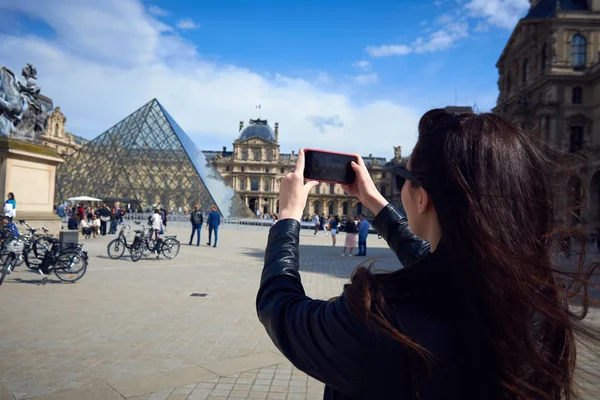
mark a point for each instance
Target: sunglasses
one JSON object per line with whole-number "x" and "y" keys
{"x": 402, "y": 175}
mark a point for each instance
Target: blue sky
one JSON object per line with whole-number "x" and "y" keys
{"x": 348, "y": 76}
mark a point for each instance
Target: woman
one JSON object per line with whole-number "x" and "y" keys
{"x": 333, "y": 225}
{"x": 479, "y": 311}
{"x": 10, "y": 206}
{"x": 351, "y": 240}
{"x": 95, "y": 224}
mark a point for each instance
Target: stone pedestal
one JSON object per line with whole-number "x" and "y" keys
{"x": 29, "y": 171}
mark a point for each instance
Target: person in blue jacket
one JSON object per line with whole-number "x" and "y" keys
{"x": 214, "y": 220}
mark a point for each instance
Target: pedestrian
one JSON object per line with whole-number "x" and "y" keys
{"x": 197, "y": 219}
{"x": 114, "y": 220}
{"x": 363, "y": 233}
{"x": 157, "y": 225}
{"x": 163, "y": 215}
{"x": 60, "y": 211}
{"x": 322, "y": 223}
{"x": 316, "y": 222}
{"x": 351, "y": 231}
{"x": 214, "y": 220}
{"x": 482, "y": 308}
{"x": 95, "y": 223}
{"x": 333, "y": 227}
{"x": 10, "y": 206}
{"x": 104, "y": 215}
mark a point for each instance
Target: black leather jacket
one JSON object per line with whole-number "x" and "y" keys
{"x": 328, "y": 342}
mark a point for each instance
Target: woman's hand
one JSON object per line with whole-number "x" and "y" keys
{"x": 294, "y": 192}
{"x": 364, "y": 188}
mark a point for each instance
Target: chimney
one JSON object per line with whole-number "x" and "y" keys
{"x": 277, "y": 131}
{"x": 224, "y": 149}
{"x": 241, "y": 125}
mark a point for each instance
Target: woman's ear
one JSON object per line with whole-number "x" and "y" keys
{"x": 423, "y": 200}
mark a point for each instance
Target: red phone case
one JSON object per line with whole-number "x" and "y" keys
{"x": 330, "y": 152}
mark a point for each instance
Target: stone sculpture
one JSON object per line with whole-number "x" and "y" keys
{"x": 22, "y": 113}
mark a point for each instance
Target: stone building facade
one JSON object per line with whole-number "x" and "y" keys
{"x": 55, "y": 136}
{"x": 255, "y": 168}
{"x": 549, "y": 81}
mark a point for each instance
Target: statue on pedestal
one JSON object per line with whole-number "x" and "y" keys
{"x": 22, "y": 113}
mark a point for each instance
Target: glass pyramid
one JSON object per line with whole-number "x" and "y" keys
{"x": 147, "y": 160}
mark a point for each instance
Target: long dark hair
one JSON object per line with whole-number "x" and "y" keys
{"x": 490, "y": 183}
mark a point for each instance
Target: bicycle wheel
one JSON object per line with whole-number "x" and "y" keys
{"x": 31, "y": 261}
{"x": 41, "y": 245}
{"x": 136, "y": 251}
{"x": 7, "y": 265}
{"x": 170, "y": 248}
{"x": 70, "y": 266}
{"x": 115, "y": 249}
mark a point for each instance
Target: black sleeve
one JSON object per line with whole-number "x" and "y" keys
{"x": 321, "y": 338}
{"x": 393, "y": 227}
{"x": 201, "y": 219}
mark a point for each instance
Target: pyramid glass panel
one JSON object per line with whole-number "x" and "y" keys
{"x": 147, "y": 160}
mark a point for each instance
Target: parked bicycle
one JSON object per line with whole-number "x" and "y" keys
{"x": 69, "y": 261}
{"x": 35, "y": 245}
{"x": 144, "y": 244}
{"x": 10, "y": 249}
{"x": 116, "y": 248}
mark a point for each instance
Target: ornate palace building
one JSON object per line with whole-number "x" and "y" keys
{"x": 550, "y": 83}
{"x": 55, "y": 137}
{"x": 255, "y": 168}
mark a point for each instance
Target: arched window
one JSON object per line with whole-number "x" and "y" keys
{"x": 317, "y": 207}
{"x": 578, "y": 51}
{"x": 330, "y": 208}
{"x": 56, "y": 129}
{"x": 344, "y": 208}
{"x": 577, "y": 95}
{"x": 524, "y": 70}
{"x": 544, "y": 57}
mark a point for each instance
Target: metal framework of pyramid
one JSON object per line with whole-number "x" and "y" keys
{"x": 148, "y": 160}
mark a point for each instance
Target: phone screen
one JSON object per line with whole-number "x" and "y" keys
{"x": 329, "y": 167}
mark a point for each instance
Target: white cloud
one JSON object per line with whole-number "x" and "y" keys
{"x": 387, "y": 50}
{"x": 362, "y": 64}
{"x": 439, "y": 40}
{"x": 156, "y": 10}
{"x": 501, "y": 13}
{"x": 366, "y": 79}
{"x": 187, "y": 23}
{"x": 108, "y": 58}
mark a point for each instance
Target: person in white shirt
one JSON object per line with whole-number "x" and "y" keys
{"x": 157, "y": 224}
{"x": 95, "y": 224}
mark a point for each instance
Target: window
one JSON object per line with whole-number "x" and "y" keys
{"x": 318, "y": 189}
{"x": 524, "y": 71}
{"x": 281, "y": 170}
{"x": 578, "y": 49}
{"x": 269, "y": 155}
{"x": 227, "y": 168}
{"x": 383, "y": 175}
{"x": 330, "y": 208}
{"x": 576, "y": 138}
{"x": 254, "y": 184}
{"x": 266, "y": 186}
{"x": 56, "y": 129}
{"x": 243, "y": 169}
{"x": 383, "y": 190}
{"x": 317, "y": 207}
{"x": 242, "y": 183}
{"x": 544, "y": 57}
{"x": 344, "y": 208}
{"x": 245, "y": 154}
{"x": 267, "y": 170}
{"x": 331, "y": 188}
{"x": 577, "y": 95}
{"x": 256, "y": 154}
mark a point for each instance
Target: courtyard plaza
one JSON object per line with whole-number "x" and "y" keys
{"x": 134, "y": 331}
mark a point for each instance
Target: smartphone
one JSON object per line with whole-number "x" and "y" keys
{"x": 329, "y": 166}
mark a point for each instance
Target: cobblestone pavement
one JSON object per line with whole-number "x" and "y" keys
{"x": 132, "y": 330}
